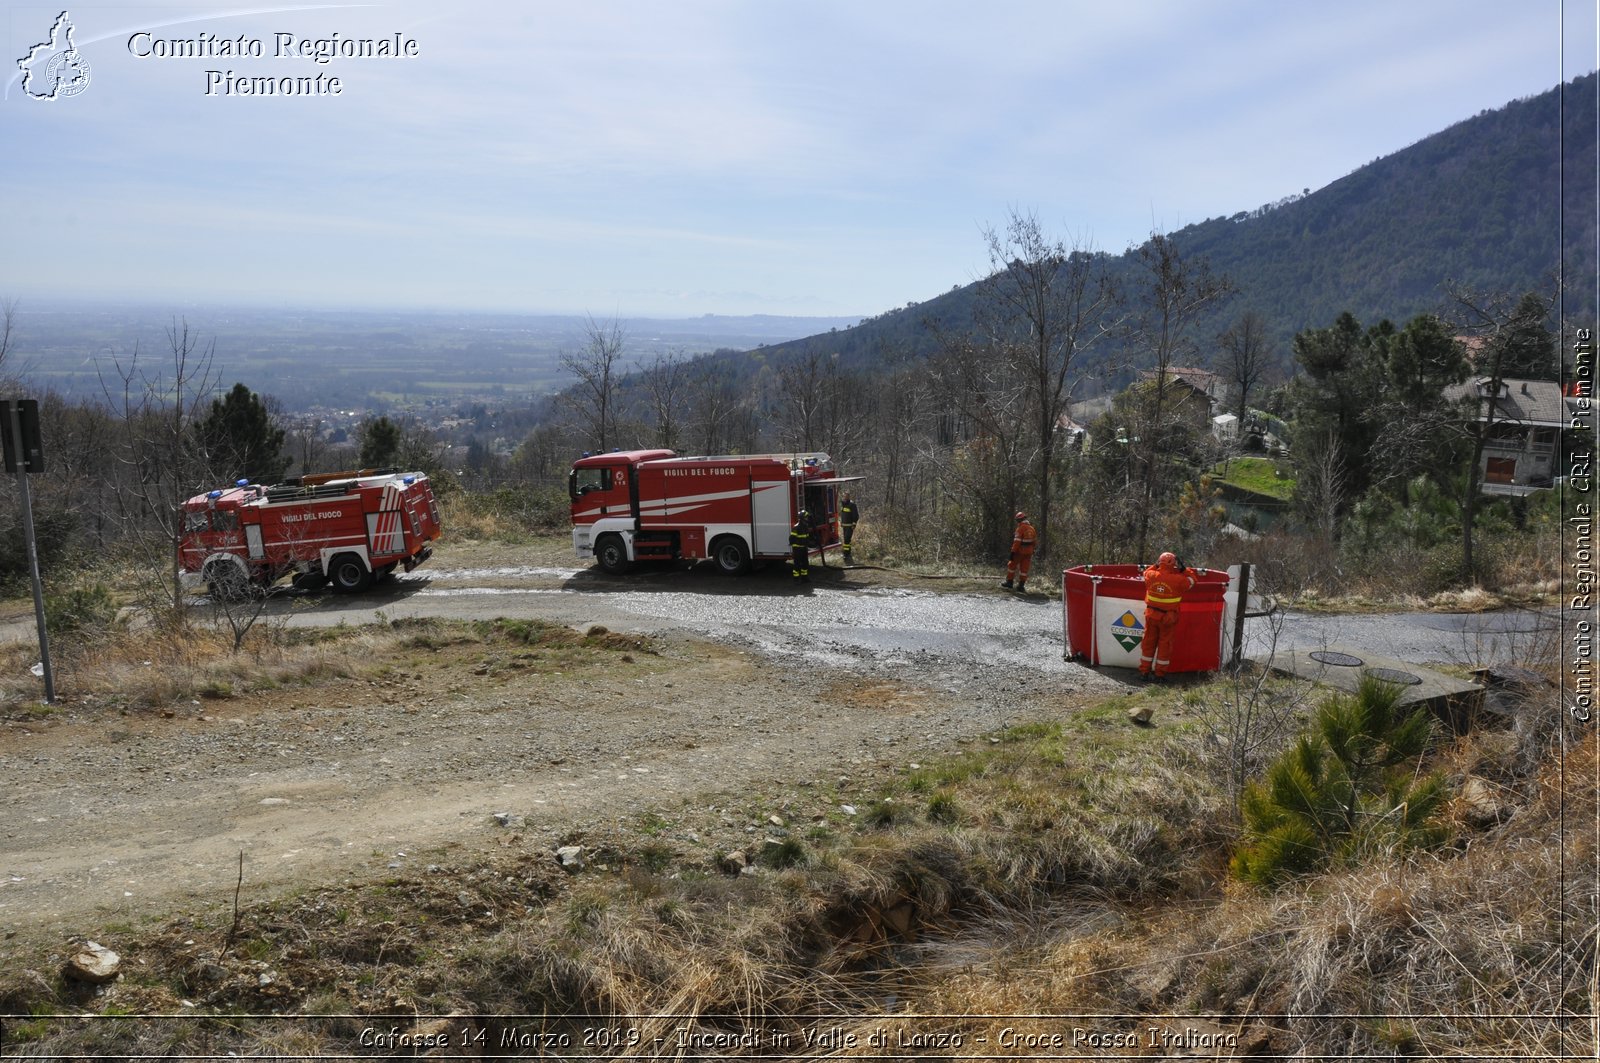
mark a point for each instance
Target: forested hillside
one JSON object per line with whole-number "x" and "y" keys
{"x": 1479, "y": 203}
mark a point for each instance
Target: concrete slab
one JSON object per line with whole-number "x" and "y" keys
{"x": 1455, "y": 701}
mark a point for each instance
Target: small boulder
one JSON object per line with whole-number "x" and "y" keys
{"x": 1141, "y": 714}
{"x": 570, "y": 857}
{"x": 1481, "y": 807}
{"x": 93, "y": 963}
{"x": 735, "y": 862}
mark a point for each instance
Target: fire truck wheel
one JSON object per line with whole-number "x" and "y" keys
{"x": 611, "y": 554}
{"x": 349, "y": 574}
{"x": 310, "y": 581}
{"x": 227, "y": 582}
{"x": 731, "y": 556}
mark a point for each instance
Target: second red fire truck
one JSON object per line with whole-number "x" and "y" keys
{"x": 349, "y": 529}
{"x": 651, "y": 505}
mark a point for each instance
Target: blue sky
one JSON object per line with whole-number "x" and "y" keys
{"x": 682, "y": 157}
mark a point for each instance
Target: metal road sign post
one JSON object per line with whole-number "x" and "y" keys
{"x": 24, "y": 454}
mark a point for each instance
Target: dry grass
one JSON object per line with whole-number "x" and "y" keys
{"x": 152, "y": 668}
{"x": 509, "y": 515}
{"x": 155, "y": 668}
{"x": 1067, "y": 868}
{"x": 1488, "y": 949}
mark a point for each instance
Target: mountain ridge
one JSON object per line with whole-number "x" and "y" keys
{"x": 1494, "y": 201}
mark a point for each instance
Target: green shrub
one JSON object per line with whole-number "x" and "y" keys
{"x": 79, "y": 612}
{"x": 1345, "y": 792}
{"x": 789, "y": 852}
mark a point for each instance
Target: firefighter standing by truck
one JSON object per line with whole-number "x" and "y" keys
{"x": 800, "y": 547}
{"x": 849, "y": 514}
{"x": 1165, "y": 584}
{"x": 1022, "y": 544}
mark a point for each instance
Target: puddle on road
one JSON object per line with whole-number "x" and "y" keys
{"x": 508, "y": 572}
{"x": 466, "y": 592}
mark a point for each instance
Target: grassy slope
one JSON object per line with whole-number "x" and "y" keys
{"x": 1259, "y": 475}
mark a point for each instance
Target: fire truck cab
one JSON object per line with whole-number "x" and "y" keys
{"x": 642, "y": 505}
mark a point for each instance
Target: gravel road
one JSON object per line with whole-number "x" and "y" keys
{"x": 849, "y": 619}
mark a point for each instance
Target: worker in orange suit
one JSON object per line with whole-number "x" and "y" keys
{"x": 1022, "y": 543}
{"x": 1165, "y": 584}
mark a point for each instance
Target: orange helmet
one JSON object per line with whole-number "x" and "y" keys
{"x": 1021, "y": 515}
{"x": 1168, "y": 559}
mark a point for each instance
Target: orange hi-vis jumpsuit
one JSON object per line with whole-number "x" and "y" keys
{"x": 1164, "y": 587}
{"x": 1022, "y": 544}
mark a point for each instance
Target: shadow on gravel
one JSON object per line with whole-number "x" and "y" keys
{"x": 286, "y": 599}
{"x": 771, "y": 579}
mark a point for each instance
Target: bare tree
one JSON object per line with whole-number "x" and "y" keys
{"x": 800, "y": 386}
{"x": 1174, "y": 294}
{"x": 1041, "y": 306}
{"x": 721, "y": 420}
{"x": 161, "y": 460}
{"x": 78, "y": 441}
{"x": 1321, "y": 490}
{"x": 1251, "y": 715}
{"x": 980, "y": 445}
{"x": 1245, "y": 356}
{"x": 8, "y": 320}
{"x": 818, "y": 406}
{"x": 597, "y": 368}
{"x": 904, "y": 403}
{"x": 306, "y": 443}
{"x": 667, "y": 381}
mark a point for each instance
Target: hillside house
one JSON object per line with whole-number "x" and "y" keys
{"x": 1200, "y": 381}
{"x": 1522, "y": 454}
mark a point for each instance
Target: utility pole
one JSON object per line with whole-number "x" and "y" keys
{"x": 24, "y": 454}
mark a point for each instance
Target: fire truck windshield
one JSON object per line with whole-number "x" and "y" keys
{"x": 198, "y": 521}
{"x": 586, "y": 480}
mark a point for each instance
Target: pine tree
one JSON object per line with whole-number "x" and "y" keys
{"x": 240, "y": 439}
{"x": 1346, "y": 792}
{"x": 380, "y": 443}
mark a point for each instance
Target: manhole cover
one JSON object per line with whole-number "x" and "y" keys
{"x": 1343, "y": 660}
{"x": 1394, "y": 675}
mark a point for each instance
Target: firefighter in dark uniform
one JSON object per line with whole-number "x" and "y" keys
{"x": 800, "y": 545}
{"x": 849, "y": 514}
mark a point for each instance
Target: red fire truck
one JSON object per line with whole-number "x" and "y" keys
{"x": 347, "y": 528}
{"x": 644, "y": 505}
